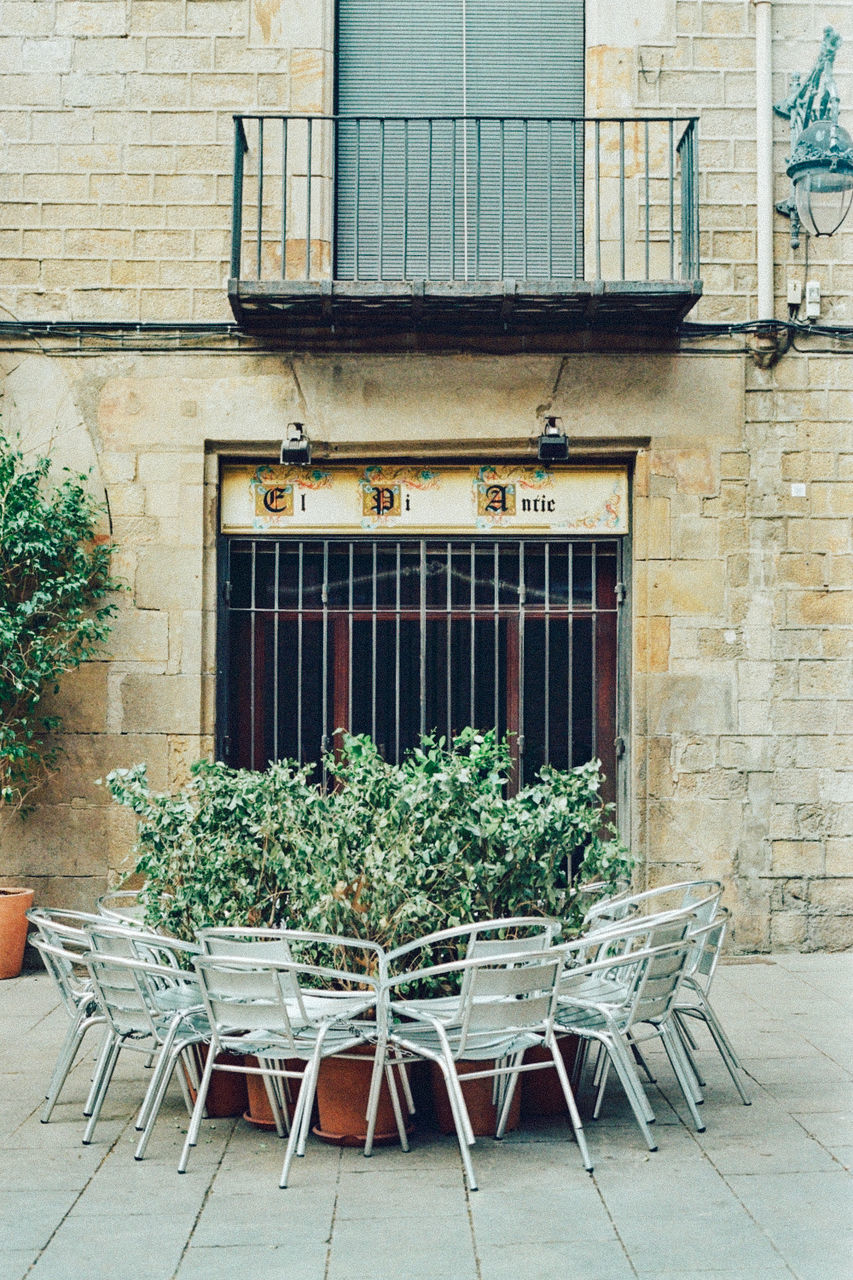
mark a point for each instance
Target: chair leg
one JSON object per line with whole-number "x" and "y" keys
{"x": 279, "y": 1114}
{"x": 106, "y": 1076}
{"x": 395, "y": 1103}
{"x": 374, "y": 1094}
{"x": 574, "y": 1114}
{"x": 675, "y": 1053}
{"x": 64, "y": 1062}
{"x": 633, "y": 1089}
{"x": 100, "y": 1059}
{"x": 155, "y": 1095}
{"x": 301, "y": 1117}
{"x": 726, "y": 1051}
{"x": 509, "y": 1093}
{"x": 461, "y": 1119}
{"x": 198, "y": 1111}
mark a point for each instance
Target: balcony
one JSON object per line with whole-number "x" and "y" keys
{"x": 381, "y": 230}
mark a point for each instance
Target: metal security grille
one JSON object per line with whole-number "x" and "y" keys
{"x": 398, "y": 638}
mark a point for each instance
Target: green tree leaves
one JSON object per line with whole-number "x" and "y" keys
{"x": 54, "y": 610}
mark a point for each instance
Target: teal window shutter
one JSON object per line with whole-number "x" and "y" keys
{"x": 456, "y": 198}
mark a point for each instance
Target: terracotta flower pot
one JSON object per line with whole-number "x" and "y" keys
{"x": 541, "y": 1093}
{"x": 260, "y": 1111}
{"x": 342, "y": 1088}
{"x": 226, "y": 1094}
{"x": 14, "y": 905}
{"x": 478, "y": 1099}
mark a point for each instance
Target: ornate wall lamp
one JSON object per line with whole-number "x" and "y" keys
{"x": 821, "y": 162}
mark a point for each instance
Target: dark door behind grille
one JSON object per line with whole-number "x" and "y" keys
{"x": 397, "y": 638}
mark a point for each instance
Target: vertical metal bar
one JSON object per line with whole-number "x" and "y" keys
{"x": 276, "y": 751}
{"x": 671, "y": 202}
{"x": 355, "y": 270}
{"x": 502, "y": 185}
{"x": 594, "y": 621}
{"x": 648, "y": 237}
{"x": 260, "y": 228}
{"x": 519, "y": 675}
{"x": 349, "y": 637}
{"x": 381, "y": 197}
{"x": 622, "y": 199}
{"x": 299, "y": 621}
{"x": 252, "y": 657}
{"x": 547, "y": 671}
{"x": 524, "y": 183}
{"x": 283, "y": 197}
{"x": 570, "y": 711}
{"x": 453, "y": 204}
{"x": 325, "y": 662}
{"x": 496, "y": 600}
{"x": 448, "y": 609}
{"x": 240, "y": 148}
{"x": 422, "y": 649}
{"x": 574, "y": 197}
{"x": 397, "y": 660}
{"x": 549, "y": 125}
{"x": 598, "y": 200}
{"x": 479, "y": 195}
{"x": 308, "y": 182}
{"x": 472, "y": 649}
{"x": 373, "y": 649}
{"x": 406, "y": 199}
{"x": 429, "y": 204}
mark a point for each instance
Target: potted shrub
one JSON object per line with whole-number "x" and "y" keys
{"x": 385, "y": 852}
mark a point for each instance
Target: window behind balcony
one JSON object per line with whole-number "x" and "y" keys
{"x": 443, "y": 169}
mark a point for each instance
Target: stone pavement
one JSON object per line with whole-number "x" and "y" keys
{"x": 764, "y": 1193}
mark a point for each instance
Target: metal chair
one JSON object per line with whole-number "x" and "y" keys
{"x": 275, "y": 1010}
{"x": 506, "y": 1005}
{"x": 122, "y": 906}
{"x": 702, "y": 896}
{"x": 61, "y": 941}
{"x": 693, "y": 1003}
{"x": 134, "y": 995}
{"x": 639, "y": 1007}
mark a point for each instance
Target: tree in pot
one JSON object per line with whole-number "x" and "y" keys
{"x": 56, "y": 607}
{"x": 386, "y": 853}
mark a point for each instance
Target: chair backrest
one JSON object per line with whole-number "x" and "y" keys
{"x": 707, "y": 947}
{"x": 700, "y": 896}
{"x": 124, "y": 989}
{"x": 659, "y": 977}
{"x": 122, "y": 906}
{"x": 258, "y": 944}
{"x": 109, "y": 937}
{"x": 272, "y": 998}
{"x": 61, "y": 941}
{"x": 508, "y": 996}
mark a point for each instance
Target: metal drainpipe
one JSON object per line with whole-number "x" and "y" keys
{"x": 764, "y": 155}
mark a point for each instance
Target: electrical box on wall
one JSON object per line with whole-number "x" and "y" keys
{"x": 812, "y": 299}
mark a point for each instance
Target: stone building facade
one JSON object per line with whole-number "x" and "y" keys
{"x": 120, "y": 353}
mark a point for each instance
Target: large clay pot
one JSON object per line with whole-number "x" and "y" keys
{"x": 226, "y": 1094}
{"x": 14, "y": 905}
{"x": 260, "y": 1111}
{"x": 342, "y": 1088}
{"x": 541, "y": 1093}
{"x": 478, "y": 1100}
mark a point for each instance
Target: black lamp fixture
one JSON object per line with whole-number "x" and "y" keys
{"x": 296, "y": 447}
{"x": 821, "y": 162}
{"x": 553, "y": 445}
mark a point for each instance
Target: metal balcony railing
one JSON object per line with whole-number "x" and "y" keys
{"x": 464, "y": 199}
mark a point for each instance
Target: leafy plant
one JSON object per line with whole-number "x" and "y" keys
{"x": 387, "y": 853}
{"x": 54, "y": 609}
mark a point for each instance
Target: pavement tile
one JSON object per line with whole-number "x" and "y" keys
{"x": 555, "y": 1261}
{"x": 30, "y": 1220}
{"x": 267, "y": 1218}
{"x": 259, "y": 1261}
{"x": 115, "y": 1247}
{"x": 15, "y": 1263}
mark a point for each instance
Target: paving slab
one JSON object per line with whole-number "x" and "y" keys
{"x": 764, "y": 1193}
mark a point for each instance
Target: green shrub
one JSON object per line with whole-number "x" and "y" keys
{"x": 54, "y": 609}
{"x": 385, "y": 853}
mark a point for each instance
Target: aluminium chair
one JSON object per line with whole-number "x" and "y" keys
{"x": 506, "y": 1005}
{"x": 640, "y": 1007}
{"x": 131, "y": 992}
{"x": 61, "y": 941}
{"x": 275, "y": 1010}
{"x": 694, "y": 1004}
